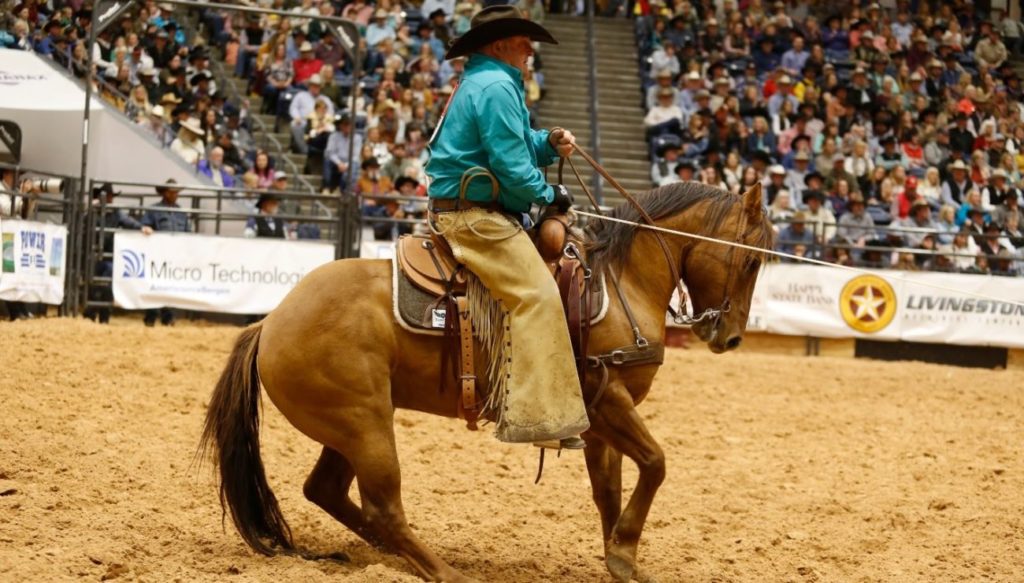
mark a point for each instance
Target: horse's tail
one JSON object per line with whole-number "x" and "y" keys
{"x": 232, "y": 430}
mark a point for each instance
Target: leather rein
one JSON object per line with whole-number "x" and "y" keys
{"x": 681, "y": 316}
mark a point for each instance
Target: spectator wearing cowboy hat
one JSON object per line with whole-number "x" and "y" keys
{"x": 302, "y": 107}
{"x": 164, "y": 217}
{"x": 665, "y": 117}
{"x": 663, "y": 168}
{"x": 307, "y": 65}
{"x": 155, "y": 124}
{"x": 265, "y": 224}
{"x": 189, "y": 144}
{"x": 796, "y": 177}
{"x": 400, "y": 164}
{"x": 336, "y": 155}
{"x": 997, "y": 191}
{"x": 957, "y": 185}
{"x": 797, "y": 233}
{"x": 379, "y": 29}
{"x": 820, "y": 220}
{"x": 685, "y": 171}
{"x": 1010, "y": 207}
{"x": 663, "y": 80}
{"x": 856, "y": 226}
{"x": 918, "y": 223}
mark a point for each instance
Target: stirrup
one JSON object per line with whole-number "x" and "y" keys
{"x": 574, "y": 442}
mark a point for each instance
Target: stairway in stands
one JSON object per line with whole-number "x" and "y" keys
{"x": 277, "y": 144}
{"x": 566, "y": 102}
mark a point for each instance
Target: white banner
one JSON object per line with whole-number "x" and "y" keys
{"x": 805, "y": 300}
{"x": 33, "y": 264}
{"x": 210, "y": 274}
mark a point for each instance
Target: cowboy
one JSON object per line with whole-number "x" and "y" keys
{"x": 485, "y": 177}
{"x": 264, "y": 224}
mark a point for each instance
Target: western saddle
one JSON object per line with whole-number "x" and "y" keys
{"x": 426, "y": 261}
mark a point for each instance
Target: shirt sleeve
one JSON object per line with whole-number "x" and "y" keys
{"x": 501, "y": 132}
{"x": 546, "y": 154}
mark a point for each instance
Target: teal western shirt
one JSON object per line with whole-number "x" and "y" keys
{"x": 488, "y": 125}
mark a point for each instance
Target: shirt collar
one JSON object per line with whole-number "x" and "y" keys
{"x": 484, "y": 62}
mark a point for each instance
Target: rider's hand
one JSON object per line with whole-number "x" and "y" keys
{"x": 563, "y": 198}
{"x": 562, "y": 141}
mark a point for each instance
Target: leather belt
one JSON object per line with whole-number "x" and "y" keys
{"x": 444, "y": 205}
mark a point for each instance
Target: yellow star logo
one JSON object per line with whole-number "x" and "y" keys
{"x": 867, "y": 303}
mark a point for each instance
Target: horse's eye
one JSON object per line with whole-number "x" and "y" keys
{"x": 754, "y": 265}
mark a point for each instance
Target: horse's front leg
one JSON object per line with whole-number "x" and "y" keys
{"x": 604, "y": 464}
{"x": 619, "y": 425}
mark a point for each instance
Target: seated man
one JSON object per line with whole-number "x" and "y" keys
{"x": 485, "y": 176}
{"x": 795, "y": 234}
{"x": 302, "y": 106}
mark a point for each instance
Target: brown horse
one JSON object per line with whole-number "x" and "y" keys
{"x": 334, "y": 361}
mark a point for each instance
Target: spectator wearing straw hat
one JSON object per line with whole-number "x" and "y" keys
{"x": 156, "y": 125}
{"x": 307, "y": 65}
{"x": 957, "y": 185}
{"x": 379, "y": 29}
{"x": 663, "y": 80}
{"x": 189, "y": 144}
{"x": 665, "y": 116}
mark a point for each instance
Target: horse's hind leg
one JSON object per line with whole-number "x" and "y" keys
{"x": 327, "y": 486}
{"x": 374, "y": 458}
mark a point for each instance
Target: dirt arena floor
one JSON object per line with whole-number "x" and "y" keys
{"x": 780, "y": 469}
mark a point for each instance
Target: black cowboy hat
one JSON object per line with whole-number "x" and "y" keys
{"x": 265, "y": 198}
{"x": 104, "y": 189}
{"x": 813, "y": 193}
{"x": 403, "y": 180}
{"x": 495, "y": 23}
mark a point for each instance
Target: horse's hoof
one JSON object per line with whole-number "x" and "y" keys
{"x": 621, "y": 568}
{"x": 641, "y": 576}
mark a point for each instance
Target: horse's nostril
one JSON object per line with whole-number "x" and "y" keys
{"x": 734, "y": 342}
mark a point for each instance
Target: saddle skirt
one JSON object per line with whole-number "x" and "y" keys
{"x": 423, "y": 271}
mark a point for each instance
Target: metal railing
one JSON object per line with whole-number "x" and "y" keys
{"x": 827, "y": 249}
{"x": 99, "y": 230}
{"x": 595, "y": 128}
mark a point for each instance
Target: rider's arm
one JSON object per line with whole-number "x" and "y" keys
{"x": 503, "y": 125}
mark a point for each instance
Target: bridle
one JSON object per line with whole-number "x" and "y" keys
{"x": 681, "y": 316}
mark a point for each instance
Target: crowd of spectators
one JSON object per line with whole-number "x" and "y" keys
{"x": 882, "y": 136}
{"x": 157, "y": 70}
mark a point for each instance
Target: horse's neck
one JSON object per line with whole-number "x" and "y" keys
{"x": 646, "y": 276}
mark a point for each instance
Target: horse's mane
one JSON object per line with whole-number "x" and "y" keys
{"x": 609, "y": 242}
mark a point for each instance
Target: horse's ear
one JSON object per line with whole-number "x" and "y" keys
{"x": 752, "y": 201}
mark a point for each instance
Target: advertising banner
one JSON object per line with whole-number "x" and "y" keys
{"x": 210, "y": 274}
{"x": 806, "y": 300}
{"x": 33, "y": 261}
